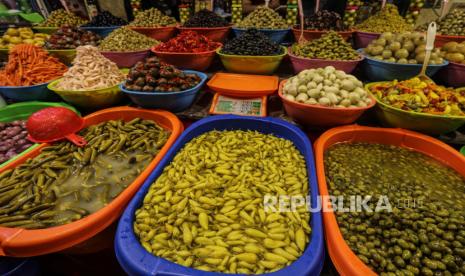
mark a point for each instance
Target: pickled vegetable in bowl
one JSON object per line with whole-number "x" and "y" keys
{"x": 420, "y": 96}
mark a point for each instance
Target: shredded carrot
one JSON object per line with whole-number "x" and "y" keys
{"x": 30, "y": 65}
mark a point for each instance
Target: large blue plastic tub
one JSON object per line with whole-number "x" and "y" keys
{"x": 377, "y": 70}
{"x": 277, "y": 36}
{"x": 101, "y": 31}
{"x": 37, "y": 92}
{"x": 135, "y": 260}
{"x": 172, "y": 101}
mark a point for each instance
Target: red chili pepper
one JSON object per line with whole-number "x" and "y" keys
{"x": 188, "y": 42}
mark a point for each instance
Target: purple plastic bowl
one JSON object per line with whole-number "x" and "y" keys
{"x": 453, "y": 74}
{"x": 126, "y": 59}
{"x": 299, "y": 63}
{"x": 362, "y": 39}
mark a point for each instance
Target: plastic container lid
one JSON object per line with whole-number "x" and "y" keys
{"x": 243, "y": 86}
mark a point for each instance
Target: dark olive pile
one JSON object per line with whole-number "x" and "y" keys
{"x": 206, "y": 19}
{"x": 425, "y": 232}
{"x": 13, "y": 139}
{"x": 105, "y": 19}
{"x": 252, "y": 43}
{"x": 152, "y": 75}
{"x": 325, "y": 20}
{"x": 71, "y": 37}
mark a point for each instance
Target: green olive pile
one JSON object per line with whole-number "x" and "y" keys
{"x": 330, "y": 46}
{"x": 404, "y": 48}
{"x": 421, "y": 228}
{"x": 152, "y": 18}
{"x": 263, "y": 18}
{"x": 126, "y": 40}
{"x": 453, "y": 23}
{"x": 454, "y": 51}
{"x": 60, "y": 17}
{"x": 386, "y": 20}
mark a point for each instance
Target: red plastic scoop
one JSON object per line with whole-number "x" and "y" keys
{"x": 55, "y": 123}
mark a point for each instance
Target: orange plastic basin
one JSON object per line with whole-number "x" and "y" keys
{"x": 344, "y": 259}
{"x": 25, "y": 243}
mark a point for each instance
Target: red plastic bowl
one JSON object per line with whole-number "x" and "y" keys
{"x": 362, "y": 39}
{"x": 299, "y": 63}
{"x": 191, "y": 61}
{"x": 126, "y": 59}
{"x": 443, "y": 39}
{"x": 315, "y": 34}
{"x": 218, "y": 34}
{"x": 159, "y": 33}
{"x": 453, "y": 74}
{"x": 321, "y": 116}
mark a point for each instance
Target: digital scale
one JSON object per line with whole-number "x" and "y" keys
{"x": 241, "y": 94}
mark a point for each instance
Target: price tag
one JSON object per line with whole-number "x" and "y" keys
{"x": 247, "y": 107}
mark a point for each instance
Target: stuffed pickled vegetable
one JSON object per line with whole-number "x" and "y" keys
{"x": 421, "y": 96}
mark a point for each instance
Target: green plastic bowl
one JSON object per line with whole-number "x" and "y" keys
{"x": 66, "y": 56}
{"x": 90, "y": 99}
{"x": 22, "y": 111}
{"x": 259, "y": 65}
{"x": 417, "y": 121}
{"x": 45, "y": 30}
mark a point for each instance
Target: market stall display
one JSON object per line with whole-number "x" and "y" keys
{"x": 267, "y": 21}
{"x": 320, "y": 23}
{"x": 252, "y": 53}
{"x": 425, "y": 246}
{"x": 125, "y": 47}
{"x": 209, "y": 24}
{"x": 188, "y": 50}
{"x": 329, "y": 50}
{"x": 419, "y": 105}
{"x": 155, "y": 84}
{"x": 15, "y": 36}
{"x": 155, "y": 24}
{"x": 92, "y": 82}
{"x": 137, "y": 260}
{"x": 386, "y": 20}
{"x": 324, "y": 97}
{"x": 341, "y": 254}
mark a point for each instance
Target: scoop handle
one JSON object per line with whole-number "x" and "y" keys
{"x": 302, "y": 21}
{"x": 430, "y": 37}
{"x": 317, "y": 6}
{"x": 76, "y": 139}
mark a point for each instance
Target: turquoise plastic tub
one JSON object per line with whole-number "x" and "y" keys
{"x": 135, "y": 260}
{"x": 22, "y": 111}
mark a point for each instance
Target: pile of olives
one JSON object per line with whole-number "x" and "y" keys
{"x": 454, "y": 51}
{"x": 403, "y": 48}
{"x": 152, "y": 18}
{"x": 13, "y": 37}
{"x": 386, "y": 20}
{"x": 453, "y": 23}
{"x": 68, "y": 37}
{"x": 263, "y": 18}
{"x": 126, "y": 40}
{"x": 105, "y": 19}
{"x": 206, "y": 19}
{"x": 330, "y": 46}
{"x": 252, "y": 43}
{"x": 60, "y": 17}
{"x": 325, "y": 20}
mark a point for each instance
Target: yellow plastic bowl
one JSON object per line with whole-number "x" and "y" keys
{"x": 66, "y": 56}
{"x": 417, "y": 121}
{"x": 90, "y": 99}
{"x": 260, "y": 65}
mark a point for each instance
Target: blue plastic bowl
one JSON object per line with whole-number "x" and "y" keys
{"x": 172, "y": 101}
{"x": 38, "y": 92}
{"x": 101, "y": 31}
{"x": 135, "y": 260}
{"x": 19, "y": 266}
{"x": 377, "y": 70}
{"x": 275, "y": 35}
